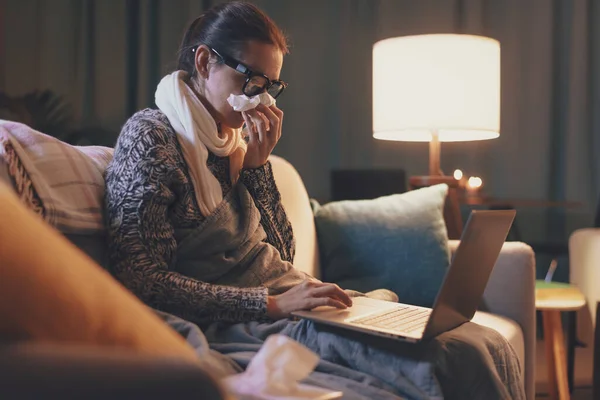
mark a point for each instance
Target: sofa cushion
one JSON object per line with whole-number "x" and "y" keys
{"x": 397, "y": 242}
{"x": 296, "y": 203}
{"x": 52, "y": 292}
{"x": 61, "y": 182}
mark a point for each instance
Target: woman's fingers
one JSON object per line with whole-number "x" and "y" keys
{"x": 332, "y": 291}
{"x": 275, "y": 115}
{"x": 277, "y": 111}
{"x": 273, "y": 119}
{"x": 325, "y": 301}
{"x": 270, "y": 118}
{"x": 259, "y": 124}
{"x": 266, "y": 121}
{"x": 249, "y": 124}
{"x": 264, "y": 130}
{"x": 251, "y": 130}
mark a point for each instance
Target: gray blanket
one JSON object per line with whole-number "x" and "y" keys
{"x": 230, "y": 248}
{"x": 470, "y": 362}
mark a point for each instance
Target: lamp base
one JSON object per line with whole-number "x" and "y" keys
{"x": 452, "y": 214}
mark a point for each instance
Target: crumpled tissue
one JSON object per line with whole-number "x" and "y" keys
{"x": 275, "y": 371}
{"x": 241, "y": 102}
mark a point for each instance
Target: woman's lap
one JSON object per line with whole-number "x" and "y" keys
{"x": 241, "y": 341}
{"x": 468, "y": 362}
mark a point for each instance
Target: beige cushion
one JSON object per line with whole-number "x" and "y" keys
{"x": 51, "y": 292}
{"x": 61, "y": 182}
{"x": 297, "y": 207}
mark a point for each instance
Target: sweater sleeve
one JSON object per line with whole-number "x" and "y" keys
{"x": 141, "y": 238}
{"x": 261, "y": 185}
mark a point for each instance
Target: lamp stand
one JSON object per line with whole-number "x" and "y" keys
{"x": 452, "y": 215}
{"x": 434, "y": 154}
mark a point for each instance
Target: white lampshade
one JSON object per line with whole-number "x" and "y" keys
{"x": 444, "y": 83}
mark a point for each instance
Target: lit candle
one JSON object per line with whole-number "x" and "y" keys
{"x": 460, "y": 177}
{"x": 474, "y": 184}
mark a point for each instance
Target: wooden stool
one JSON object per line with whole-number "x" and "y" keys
{"x": 551, "y": 298}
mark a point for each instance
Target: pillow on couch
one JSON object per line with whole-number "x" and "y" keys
{"x": 396, "y": 242}
{"x": 62, "y": 183}
{"x": 50, "y": 291}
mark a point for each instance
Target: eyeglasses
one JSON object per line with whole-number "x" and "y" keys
{"x": 256, "y": 83}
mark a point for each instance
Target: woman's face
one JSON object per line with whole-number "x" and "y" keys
{"x": 220, "y": 80}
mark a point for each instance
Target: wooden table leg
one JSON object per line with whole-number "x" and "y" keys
{"x": 596, "y": 366}
{"x": 571, "y": 344}
{"x": 548, "y": 341}
{"x": 558, "y": 383}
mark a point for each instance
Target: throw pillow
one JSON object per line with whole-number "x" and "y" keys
{"x": 61, "y": 182}
{"x": 50, "y": 291}
{"x": 396, "y": 242}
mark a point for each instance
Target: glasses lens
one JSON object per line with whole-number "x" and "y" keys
{"x": 276, "y": 89}
{"x": 255, "y": 85}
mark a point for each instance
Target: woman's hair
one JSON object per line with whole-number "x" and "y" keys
{"x": 228, "y": 28}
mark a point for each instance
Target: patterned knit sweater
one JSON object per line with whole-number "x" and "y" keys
{"x": 149, "y": 194}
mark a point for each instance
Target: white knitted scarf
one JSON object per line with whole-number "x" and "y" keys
{"x": 197, "y": 134}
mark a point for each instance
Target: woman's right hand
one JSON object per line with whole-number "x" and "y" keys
{"x": 306, "y": 296}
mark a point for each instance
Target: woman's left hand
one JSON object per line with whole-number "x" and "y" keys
{"x": 264, "y": 129}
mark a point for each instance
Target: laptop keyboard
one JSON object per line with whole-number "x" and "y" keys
{"x": 404, "y": 319}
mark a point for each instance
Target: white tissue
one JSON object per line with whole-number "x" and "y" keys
{"x": 241, "y": 102}
{"x": 275, "y": 371}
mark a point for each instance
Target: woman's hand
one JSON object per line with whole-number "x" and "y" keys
{"x": 264, "y": 129}
{"x": 306, "y": 296}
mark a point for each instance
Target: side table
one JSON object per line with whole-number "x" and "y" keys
{"x": 552, "y": 298}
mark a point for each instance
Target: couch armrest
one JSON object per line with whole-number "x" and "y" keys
{"x": 510, "y": 292}
{"x": 584, "y": 272}
{"x": 36, "y": 371}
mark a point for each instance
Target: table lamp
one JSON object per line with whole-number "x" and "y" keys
{"x": 436, "y": 88}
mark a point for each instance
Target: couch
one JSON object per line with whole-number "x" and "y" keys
{"x": 508, "y": 307}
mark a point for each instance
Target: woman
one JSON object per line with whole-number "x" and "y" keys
{"x": 196, "y": 226}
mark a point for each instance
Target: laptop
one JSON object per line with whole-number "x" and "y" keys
{"x": 456, "y": 302}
